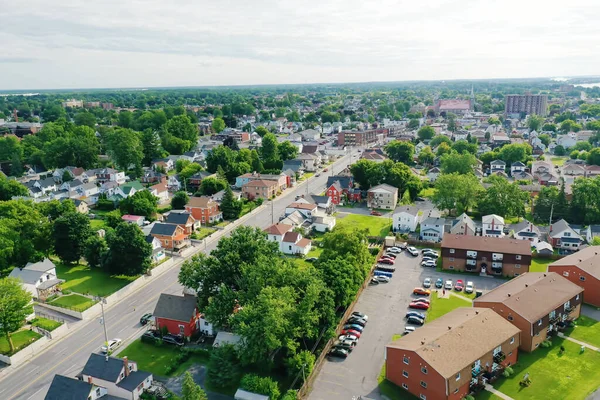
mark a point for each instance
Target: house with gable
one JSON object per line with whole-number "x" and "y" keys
{"x": 172, "y": 237}
{"x": 497, "y": 166}
{"x": 591, "y": 232}
{"x": 178, "y": 314}
{"x": 158, "y": 254}
{"x": 276, "y": 232}
{"x": 526, "y": 230}
{"x": 160, "y": 190}
{"x": 76, "y": 389}
{"x": 183, "y": 219}
{"x": 38, "y": 278}
{"x": 517, "y": 167}
{"x": 303, "y": 207}
{"x": 294, "y": 243}
{"x": 463, "y": 225}
{"x": 432, "y": 229}
{"x": 492, "y": 226}
{"x": 128, "y": 189}
{"x": 562, "y": 236}
{"x": 335, "y": 193}
{"x": 382, "y": 196}
{"x": 433, "y": 174}
{"x": 405, "y": 219}
{"x": 204, "y": 209}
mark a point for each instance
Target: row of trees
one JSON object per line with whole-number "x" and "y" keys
{"x": 583, "y": 207}
{"x": 369, "y": 173}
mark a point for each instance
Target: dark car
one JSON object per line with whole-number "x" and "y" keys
{"x": 439, "y": 283}
{"x": 386, "y": 268}
{"x": 373, "y": 281}
{"x": 172, "y": 339}
{"x": 145, "y": 318}
{"x": 430, "y": 254}
{"x": 311, "y": 259}
{"x": 415, "y": 314}
{"x": 151, "y": 335}
{"x": 415, "y": 320}
{"x": 356, "y": 320}
{"x": 356, "y": 327}
{"x": 361, "y": 315}
{"x": 338, "y": 353}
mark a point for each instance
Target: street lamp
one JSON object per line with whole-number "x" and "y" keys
{"x": 102, "y": 301}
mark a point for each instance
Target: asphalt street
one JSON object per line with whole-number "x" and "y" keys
{"x": 68, "y": 355}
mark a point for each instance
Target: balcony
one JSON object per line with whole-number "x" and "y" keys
{"x": 477, "y": 371}
{"x": 569, "y": 309}
{"x": 499, "y": 357}
{"x": 554, "y": 318}
{"x": 471, "y": 263}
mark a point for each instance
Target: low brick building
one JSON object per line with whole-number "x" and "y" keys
{"x": 178, "y": 314}
{"x": 260, "y": 189}
{"x": 447, "y": 358}
{"x": 172, "y": 237}
{"x": 583, "y": 269}
{"x": 536, "y": 303}
{"x": 204, "y": 209}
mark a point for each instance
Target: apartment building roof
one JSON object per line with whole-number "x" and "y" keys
{"x": 260, "y": 183}
{"x": 587, "y": 260}
{"x": 482, "y": 243}
{"x": 456, "y": 340}
{"x": 533, "y": 294}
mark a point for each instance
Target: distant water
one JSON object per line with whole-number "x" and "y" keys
{"x": 559, "y": 79}
{"x": 589, "y": 85}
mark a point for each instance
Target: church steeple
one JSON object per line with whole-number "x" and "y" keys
{"x": 472, "y": 98}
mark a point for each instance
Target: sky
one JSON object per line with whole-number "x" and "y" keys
{"x": 150, "y": 43}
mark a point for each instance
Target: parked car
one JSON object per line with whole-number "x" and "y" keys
{"x": 311, "y": 259}
{"x": 439, "y": 283}
{"x": 432, "y": 254}
{"x": 344, "y": 338}
{"x": 351, "y": 332}
{"x": 145, "y": 318}
{"x": 386, "y": 268}
{"x": 338, "y": 353}
{"x": 390, "y": 255}
{"x": 356, "y": 327}
{"x": 423, "y": 251}
{"x": 419, "y": 305}
{"x": 409, "y": 329}
{"x": 395, "y": 250}
{"x": 422, "y": 300}
{"x": 384, "y": 257}
{"x": 325, "y": 170}
{"x": 172, "y": 339}
{"x": 348, "y": 346}
{"x": 459, "y": 285}
{"x": 382, "y": 279}
{"x": 470, "y": 287}
{"x": 377, "y": 213}
{"x": 378, "y": 272}
{"x": 428, "y": 263}
{"x": 421, "y": 291}
{"x": 361, "y": 315}
{"x": 415, "y": 314}
{"x": 448, "y": 285}
{"x": 427, "y": 283}
{"x": 415, "y": 320}
{"x": 111, "y": 345}
{"x": 373, "y": 281}
{"x": 357, "y": 320}
{"x": 413, "y": 251}
{"x": 386, "y": 261}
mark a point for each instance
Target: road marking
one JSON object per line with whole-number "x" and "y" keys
{"x": 31, "y": 397}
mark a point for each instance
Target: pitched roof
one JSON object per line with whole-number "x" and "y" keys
{"x": 302, "y": 206}
{"x": 414, "y": 211}
{"x": 126, "y": 187}
{"x": 99, "y": 367}
{"x": 133, "y": 380}
{"x": 132, "y": 218}
{"x": 533, "y": 294}
{"x": 541, "y": 245}
{"x": 517, "y": 164}
{"x": 384, "y": 186}
{"x": 434, "y": 221}
{"x": 336, "y": 185}
{"x": 291, "y": 237}
{"x": 526, "y": 226}
{"x": 303, "y": 242}
{"x": 320, "y": 199}
{"x": 177, "y": 308}
{"x": 482, "y": 243}
{"x": 497, "y": 162}
{"x": 454, "y": 341}
{"x": 260, "y": 183}
{"x": 488, "y": 219}
{"x": 587, "y": 259}
{"x": 345, "y": 181}
{"x": 178, "y": 217}
{"x": 41, "y": 266}
{"x": 200, "y": 202}
{"x": 66, "y": 388}
{"x": 594, "y": 228}
{"x": 164, "y": 229}
{"x": 558, "y": 227}
{"x": 454, "y": 104}
{"x": 464, "y": 219}
{"x": 278, "y": 229}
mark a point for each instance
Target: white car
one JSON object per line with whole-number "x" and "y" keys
{"x": 428, "y": 263}
{"x": 382, "y": 279}
{"x": 343, "y": 338}
{"x": 409, "y": 329}
{"x": 395, "y": 250}
{"x": 470, "y": 287}
{"x": 427, "y": 283}
{"x": 413, "y": 251}
{"x": 112, "y": 345}
{"x": 448, "y": 285}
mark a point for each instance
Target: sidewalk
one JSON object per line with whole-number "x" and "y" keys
{"x": 579, "y": 342}
{"x": 491, "y": 389}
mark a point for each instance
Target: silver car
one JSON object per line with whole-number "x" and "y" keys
{"x": 427, "y": 283}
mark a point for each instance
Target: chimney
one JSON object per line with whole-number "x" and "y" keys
{"x": 526, "y": 285}
{"x": 509, "y": 295}
{"x": 449, "y": 328}
{"x": 90, "y": 380}
{"x": 126, "y": 366}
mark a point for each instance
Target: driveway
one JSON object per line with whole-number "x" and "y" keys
{"x": 386, "y": 305}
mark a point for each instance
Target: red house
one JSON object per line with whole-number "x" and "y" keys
{"x": 334, "y": 192}
{"x": 179, "y": 314}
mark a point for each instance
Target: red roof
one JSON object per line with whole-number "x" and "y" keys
{"x": 454, "y": 104}
{"x": 278, "y": 229}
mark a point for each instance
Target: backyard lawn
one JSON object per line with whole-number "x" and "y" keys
{"x": 427, "y": 193}
{"x": 443, "y": 306}
{"x": 202, "y": 233}
{"x": 45, "y": 323}
{"x": 156, "y": 359}
{"x": 376, "y": 226}
{"x": 97, "y": 224}
{"x": 559, "y": 160}
{"x": 20, "y": 339}
{"x": 540, "y": 264}
{"x": 73, "y": 301}
{"x": 82, "y": 279}
{"x": 587, "y": 330}
{"x": 572, "y": 375}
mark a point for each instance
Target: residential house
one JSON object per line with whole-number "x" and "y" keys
{"x": 547, "y": 179}
{"x": 309, "y": 162}
{"x": 583, "y": 269}
{"x": 172, "y": 237}
{"x": 544, "y": 248}
{"x": 492, "y": 226}
{"x": 463, "y": 225}
{"x": 335, "y": 193}
{"x": 158, "y": 253}
{"x": 76, "y": 389}
{"x": 204, "y": 209}
{"x": 196, "y": 180}
{"x": 71, "y": 185}
{"x": 522, "y": 176}
{"x": 184, "y": 219}
{"x": 322, "y": 222}
{"x": 303, "y": 207}
{"x": 497, "y": 166}
{"x": 541, "y": 167}
{"x": 405, "y": 219}
{"x": 566, "y": 141}
{"x": 592, "y": 171}
{"x": 295, "y": 165}
{"x": 260, "y": 189}
{"x": 128, "y": 189}
{"x": 276, "y": 231}
{"x": 173, "y": 183}
{"x": 433, "y": 174}
{"x": 134, "y": 219}
{"x": 218, "y": 197}
{"x": 151, "y": 176}
{"x": 373, "y": 156}
{"x": 281, "y": 179}
{"x": 297, "y": 220}
{"x": 309, "y": 135}
{"x": 517, "y": 167}
{"x": 562, "y": 236}
{"x": 161, "y": 191}
{"x": 535, "y": 303}
{"x": 109, "y": 175}
{"x": 294, "y": 243}
{"x": 323, "y": 202}
{"x": 382, "y": 196}
{"x": 591, "y": 232}
{"x": 526, "y": 230}
{"x": 166, "y": 164}
{"x": 500, "y": 140}
{"x": 38, "y": 278}
{"x": 178, "y": 314}
{"x": 432, "y": 229}
{"x": 120, "y": 377}
{"x": 573, "y": 170}
{"x": 485, "y": 255}
{"x": 454, "y": 355}
{"x": 80, "y": 205}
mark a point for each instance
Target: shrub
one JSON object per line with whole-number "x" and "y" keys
{"x": 508, "y": 371}
{"x": 468, "y": 397}
{"x": 374, "y": 251}
{"x": 261, "y": 385}
{"x": 546, "y": 343}
{"x": 302, "y": 359}
{"x": 290, "y": 395}
{"x": 223, "y": 367}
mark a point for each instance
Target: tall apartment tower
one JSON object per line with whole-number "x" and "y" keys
{"x": 527, "y": 103}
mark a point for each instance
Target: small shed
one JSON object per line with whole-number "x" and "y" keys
{"x": 245, "y": 395}
{"x": 224, "y": 338}
{"x": 390, "y": 241}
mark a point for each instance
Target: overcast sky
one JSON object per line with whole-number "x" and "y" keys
{"x": 145, "y": 43}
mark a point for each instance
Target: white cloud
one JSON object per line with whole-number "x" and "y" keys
{"x": 126, "y": 43}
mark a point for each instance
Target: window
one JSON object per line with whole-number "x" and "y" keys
{"x": 424, "y": 384}
{"x": 47, "y": 276}
{"x": 422, "y": 396}
{"x": 517, "y": 265}
{"x": 458, "y": 376}
{"x": 510, "y": 354}
{"x": 566, "y": 273}
{"x": 452, "y": 251}
{"x": 451, "y": 267}
{"x": 577, "y": 297}
{"x": 424, "y": 370}
{"x": 510, "y": 318}
{"x": 406, "y": 361}
{"x": 97, "y": 391}
{"x": 512, "y": 340}
{"x": 451, "y": 258}
{"x": 540, "y": 322}
{"x": 405, "y": 374}
{"x": 567, "y": 234}
{"x": 404, "y": 386}
{"x": 582, "y": 278}
{"x": 455, "y": 391}
{"x": 518, "y": 257}
{"x": 41, "y": 280}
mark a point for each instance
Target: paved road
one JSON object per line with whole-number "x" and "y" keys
{"x": 68, "y": 356}
{"x": 386, "y": 305}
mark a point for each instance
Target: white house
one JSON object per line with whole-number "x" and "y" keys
{"x": 322, "y": 222}
{"x": 497, "y": 166}
{"x": 526, "y": 230}
{"x": 309, "y": 162}
{"x": 492, "y": 226}
{"x": 158, "y": 253}
{"x": 591, "y": 232}
{"x": 38, "y": 278}
{"x": 310, "y": 135}
{"x": 517, "y": 167}
{"x": 290, "y": 242}
{"x": 87, "y": 189}
{"x": 566, "y": 141}
{"x": 405, "y": 219}
{"x": 562, "y": 236}
{"x": 433, "y": 174}
{"x": 302, "y": 206}
{"x": 432, "y": 229}
{"x": 275, "y": 232}
{"x": 463, "y": 225}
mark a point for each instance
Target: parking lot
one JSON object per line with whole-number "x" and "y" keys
{"x": 385, "y": 304}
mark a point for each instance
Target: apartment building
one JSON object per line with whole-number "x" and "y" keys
{"x": 583, "y": 269}
{"x": 528, "y": 103}
{"x": 382, "y": 196}
{"x": 486, "y": 255}
{"x": 260, "y": 189}
{"x": 449, "y": 357}
{"x": 362, "y": 138}
{"x": 537, "y": 303}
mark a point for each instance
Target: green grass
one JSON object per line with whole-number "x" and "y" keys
{"x": 441, "y": 306}
{"x": 305, "y": 176}
{"x": 247, "y": 207}
{"x": 45, "y": 323}
{"x": 97, "y": 224}
{"x": 559, "y": 160}
{"x": 73, "y": 301}
{"x": 570, "y": 376}
{"x": 587, "y": 330}
{"x": 389, "y": 389}
{"x": 20, "y": 339}
{"x": 376, "y": 226}
{"x": 156, "y": 359}
{"x": 485, "y": 395}
{"x": 223, "y": 224}
{"x": 540, "y": 264}
{"x": 82, "y": 279}
{"x": 202, "y": 233}
{"x": 427, "y": 193}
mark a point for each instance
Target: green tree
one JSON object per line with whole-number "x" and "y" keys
{"x": 70, "y": 233}
{"x": 426, "y": 156}
{"x": 439, "y": 139}
{"x": 287, "y": 151}
{"x": 503, "y": 198}
{"x": 545, "y": 139}
{"x": 443, "y": 148}
{"x": 141, "y": 203}
{"x": 179, "y": 200}
{"x": 210, "y": 186}
{"x": 302, "y": 362}
{"x": 459, "y": 163}
{"x": 511, "y": 153}
{"x": 413, "y": 124}
{"x": 543, "y": 203}
{"x": 426, "y": 133}
{"x": 400, "y": 151}
{"x": 85, "y": 118}
{"x": 494, "y": 121}
{"x": 549, "y": 127}
{"x": 14, "y": 307}
{"x": 125, "y": 119}
{"x": 456, "y": 192}
{"x": 574, "y": 154}
{"x": 125, "y": 147}
{"x": 218, "y": 125}
{"x": 569, "y": 125}
{"x": 52, "y": 113}
{"x": 151, "y": 147}
{"x": 463, "y": 146}
{"x": 113, "y": 218}
{"x": 270, "y": 152}
{"x": 180, "y": 134}
{"x": 261, "y": 130}
{"x": 181, "y": 164}
{"x": 224, "y": 367}
{"x": 534, "y": 122}
{"x": 582, "y": 146}
{"x": 559, "y": 150}
{"x": 10, "y": 188}
{"x": 593, "y": 156}
{"x": 191, "y": 391}
{"x": 261, "y": 385}
{"x": 129, "y": 252}
{"x": 230, "y": 207}
{"x": 94, "y": 251}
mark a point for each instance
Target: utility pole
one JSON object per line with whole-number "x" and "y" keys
{"x": 272, "y": 212}
{"x": 103, "y": 322}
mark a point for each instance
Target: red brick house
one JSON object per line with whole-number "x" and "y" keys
{"x": 179, "y": 314}
{"x": 334, "y": 192}
{"x": 184, "y": 219}
{"x": 172, "y": 237}
{"x": 583, "y": 269}
{"x": 204, "y": 209}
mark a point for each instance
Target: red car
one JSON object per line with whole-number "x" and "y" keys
{"x": 376, "y": 213}
{"x": 459, "y": 285}
{"x": 351, "y": 332}
{"x": 421, "y": 300}
{"x": 386, "y": 261}
{"x": 419, "y": 305}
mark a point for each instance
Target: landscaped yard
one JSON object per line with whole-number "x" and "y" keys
{"x": 20, "y": 339}
{"x": 306, "y": 175}
{"x": 45, "y": 323}
{"x": 82, "y": 279}
{"x": 202, "y": 233}
{"x": 247, "y": 207}
{"x": 559, "y": 160}
{"x": 376, "y": 226}
{"x": 427, "y": 193}
{"x": 572, "y": 375}
{"x": 97, "y": 224}
{"x": 540, "y": 264}
{"x": 73, "y": 301}
{"x": 155, "y": 359}
{"x": 587, "y": 330}
{"x": 441, "y": 306}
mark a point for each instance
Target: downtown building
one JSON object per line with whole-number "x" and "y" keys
{"x": 527, "y": 103}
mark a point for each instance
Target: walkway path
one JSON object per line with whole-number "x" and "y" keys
{"x": 461, "y": 297}
{"x": 579, "y": 342}
{"x": 491, "y": 389}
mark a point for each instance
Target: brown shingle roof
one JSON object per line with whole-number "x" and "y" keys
{"x": 303, "y": 206}
{"x": 260, "y": 183}
{"x": 482, "y": 243}
{"x": 458, "y": 339}
{"x": 587, "y": 260}
{"x": 303, "y": 242}
{"x": 200, "y": 202}
{"x": 533, "y": 294}
{"x": 278, "y": 229}
{"x": 291, "y": 237}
